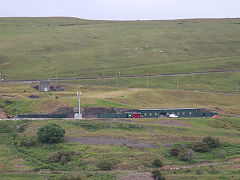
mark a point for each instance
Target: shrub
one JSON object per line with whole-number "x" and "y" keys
{"x": 199, "y": 172}
{"x": 211, "y": 142}
{"x": 175, "y": 151}
{"x": 27, "y": 141}
{"x": 105, "y": 165}
{"x": 186, "y": 155}
{"x": 60, "y": 156}
{"x": 200, "y": 147}
{"x": 71, "y": 177}
{"x": 54, "y": 157}
{"x": 222, "y": 154}
{"x": 157, "y": 175}
{"x": 51, "y": 133}
{"x": 157, "y": 163}
{"x": 212, "y": 171}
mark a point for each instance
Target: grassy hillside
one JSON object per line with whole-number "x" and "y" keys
{"x": 99, "y": 96}
{"x": 130, "y": 146}
{"x": 34, "y": 48}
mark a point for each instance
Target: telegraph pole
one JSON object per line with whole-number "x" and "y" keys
{"x": 177, "y": 82}
{"x": 0, "y": 77}
{"x": 237, "y": 86}
{"x": 79, "y": 107}
{"x": 116, "y": 80}
{"x": 56, "y": 78}
{"x": 147, "y": 80}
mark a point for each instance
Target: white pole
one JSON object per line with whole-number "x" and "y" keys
{"x": 0, "y": 77}
{"x": 79, "y": 107}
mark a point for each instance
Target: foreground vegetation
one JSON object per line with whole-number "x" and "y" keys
{"x": 23, "y": 153}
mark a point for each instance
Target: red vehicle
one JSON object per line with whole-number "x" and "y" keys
{"x": 136, "y": 115}
{"x": 216, "y": 116}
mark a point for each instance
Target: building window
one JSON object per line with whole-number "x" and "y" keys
{"x": 190, "y": 113}
{"x": 155, "y": 114}
{"x": 178, "y": 113}
{"x": 168, "y": 113}
{"x": 150, "y": 114}
{"x": 183, "y": 113}
{"x": 145, "y": 114}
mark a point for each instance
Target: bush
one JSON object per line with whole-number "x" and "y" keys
{"x": 27, "y": 141}
{"x": 199, "y": 172}
{"x": 54, "y": 157}
{"x": 211, "y": 142}
{"x": 105, "y": 165}
{"x": 51, "y": 133}
{"x": 186, "y": 155}
{"x": 200, "y": 147}
{"x": 212, "y": 171}
{"x": 157, "y": 163}
{"x": 222, "y": 154}
{"x": 71, "y": 177}
{"x": 175, "y": 151}
{"x": 60, "y": 156}
{"x": 157, "y": 175}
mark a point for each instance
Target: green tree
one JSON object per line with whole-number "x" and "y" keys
{"x": 51, "y": 133}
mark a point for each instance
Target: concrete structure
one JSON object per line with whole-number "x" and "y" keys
{"x": 44, "y": 86}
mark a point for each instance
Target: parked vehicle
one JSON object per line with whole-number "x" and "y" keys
{"x": 173, "y": 116}
{"x": 136, "y": 115}
{"x": 216, "y": 116}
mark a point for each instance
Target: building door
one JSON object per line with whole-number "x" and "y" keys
{"x": 45, "y": 89}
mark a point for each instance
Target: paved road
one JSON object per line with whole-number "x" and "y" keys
{"x": 132, "y": 76}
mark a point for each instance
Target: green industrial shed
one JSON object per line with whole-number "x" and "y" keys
{"x": 180, "y": 112}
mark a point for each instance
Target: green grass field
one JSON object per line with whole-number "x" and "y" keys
{"x": 35, "y": 48}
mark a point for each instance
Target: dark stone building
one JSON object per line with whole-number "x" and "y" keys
{"x": 44, "y": 86}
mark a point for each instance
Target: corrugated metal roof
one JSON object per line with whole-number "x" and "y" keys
{"x": 44, "y": 83}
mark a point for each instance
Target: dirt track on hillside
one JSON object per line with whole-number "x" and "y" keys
{"x": 101, "y": 140}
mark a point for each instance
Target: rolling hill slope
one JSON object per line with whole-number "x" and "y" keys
{"x": 35, "y": 48}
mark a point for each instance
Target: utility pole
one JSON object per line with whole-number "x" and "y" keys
{"x": 147, "y": 80}
{"x": 177, "y": 82}
{"x": 56, "y": 77}
{"x": 0, "y": 77}
{"x": 79, "y": 107}
{"x": 237, "y": 86}
{"x": 116, "y": 80}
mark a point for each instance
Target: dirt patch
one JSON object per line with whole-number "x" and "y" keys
{"x": 77, "y": 132}
{"x": 234, "y": 160}
{"x": 22, "y": 166}
{"x": 69, "y": 111}
{"x": 175, "y": 139}
{"x": 7, "y": 96}
{"x": 230, "y": 134}
{"x": 174, "y": 123}
{"x": 236, "y": 166}
{"x": 136, "y": 176}
{"x": 3, "y": 115}
{"x": 101, "y": 140}
{"x": 95, "y": 111}
{"x": 17, "y": 160}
